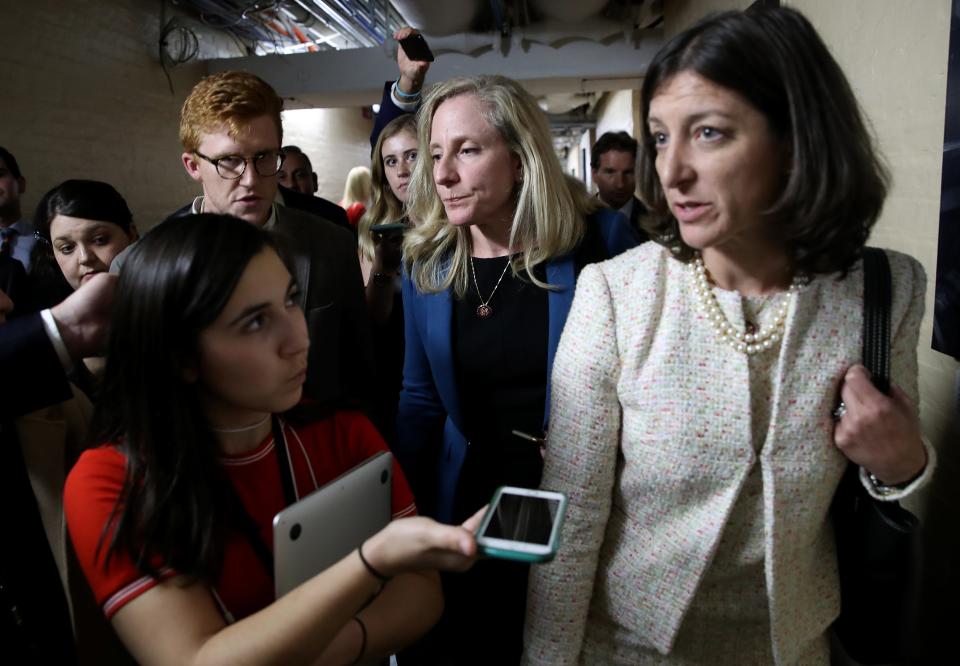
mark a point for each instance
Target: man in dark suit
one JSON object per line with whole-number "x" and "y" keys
{"x": 38, "y": 349}
{"x": 613, "y": 162}
{"x": 231, "y": 133}
{"x": 298, "y": 188}
{"x": 15, "y": 284}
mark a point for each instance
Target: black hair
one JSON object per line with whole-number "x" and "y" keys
{"x": 773, "y": 57}
{"x": 286, "y": 150}
{"x": 89, "y": 199}
{"x": 175, "y": 283}
{"x": 612, "y": 141}
{"x": 11, "y": 162}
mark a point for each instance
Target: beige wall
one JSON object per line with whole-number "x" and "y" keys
{"x": 83, "y": 98}
{"x": 895, "y": 54}
{"x": 615, "y": 112}
{"x": 335, "y": 140}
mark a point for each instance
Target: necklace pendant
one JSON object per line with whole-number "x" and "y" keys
{"x": 484, "y": 311}
{"x": 752, "y": 328}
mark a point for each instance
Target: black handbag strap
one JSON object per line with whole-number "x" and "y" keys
{"x": 245, "y": 522}
{"x": 877, "y": 295}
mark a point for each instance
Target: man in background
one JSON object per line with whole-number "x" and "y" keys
{"x": 16, "y": 232}
{"x": 231, "y": 133}
{"x": 613, "y": 165}
{"x": 298, "y": 187}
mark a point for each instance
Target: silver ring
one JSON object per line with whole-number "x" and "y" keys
{"x": 839, "y": 411}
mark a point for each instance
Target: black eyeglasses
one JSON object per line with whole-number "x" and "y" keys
{"x": 231, "y": 167}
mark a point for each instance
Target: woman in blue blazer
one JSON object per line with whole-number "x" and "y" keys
{"x": 490, "y": 276}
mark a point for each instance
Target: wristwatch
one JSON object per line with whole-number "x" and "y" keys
{"x": 883, "y": 490}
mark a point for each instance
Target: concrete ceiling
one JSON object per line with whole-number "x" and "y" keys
{"x": 332, "y": 53}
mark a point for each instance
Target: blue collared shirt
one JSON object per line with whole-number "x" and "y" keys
{"x": 22, "y": 242}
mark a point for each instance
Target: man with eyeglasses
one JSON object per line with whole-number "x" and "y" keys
{"x": 231, "y": 133}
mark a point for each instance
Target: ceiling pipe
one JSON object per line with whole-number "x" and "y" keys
{"x": 312, "y": 6}
{"x": 360, "y": 18}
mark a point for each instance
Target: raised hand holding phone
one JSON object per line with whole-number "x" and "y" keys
{"x": 413, "y": 59}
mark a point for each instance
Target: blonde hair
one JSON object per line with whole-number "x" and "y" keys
{"x": 549, "y": 219}
{"x": 357, "y": 187}
{"x": 386, "y": 207}
{"x": 228, "y": 98}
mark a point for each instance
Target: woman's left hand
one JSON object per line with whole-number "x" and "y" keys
{"x": 878, "y": 432}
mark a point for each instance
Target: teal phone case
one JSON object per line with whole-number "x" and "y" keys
{"x": 519, "y": 556}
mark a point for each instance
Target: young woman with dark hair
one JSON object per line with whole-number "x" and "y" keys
{"x": 82, "y": 225}
{"x": 172, "y": 515}
{"x": 695, "y": 381}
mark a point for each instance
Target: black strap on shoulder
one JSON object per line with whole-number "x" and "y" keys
{"x": 283, "y": 461}
{"x": 877, "y": 293}
{"x": 245, "y": 522}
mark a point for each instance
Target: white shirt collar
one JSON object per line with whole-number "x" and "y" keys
{"x": 197, "y": 207}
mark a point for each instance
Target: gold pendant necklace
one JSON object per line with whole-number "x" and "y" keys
{"x": 484, "y": 310}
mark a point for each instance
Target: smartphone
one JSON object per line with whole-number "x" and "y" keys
{"x": 415, "y": 46}
{"x": 388, "y": 227}
{"x": 522, "y": 524}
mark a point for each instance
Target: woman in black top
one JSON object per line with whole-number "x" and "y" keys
{"x": 490, "y": 274}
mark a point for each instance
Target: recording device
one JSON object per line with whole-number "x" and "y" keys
{"x": 522, "y": 524}
{"x": 388, "y": 227}
{"x": 415, "y": 46}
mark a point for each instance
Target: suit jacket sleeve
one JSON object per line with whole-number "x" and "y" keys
{"x": 420, "y": 414}
{"x": 388, "y": 111}
{"x": 618, "y": 235}
{"x": 357, "y": 366}
{"x": 33, "y": 375}
{"x": 581, "y": 456}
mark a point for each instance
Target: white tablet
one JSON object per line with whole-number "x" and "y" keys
{"x": 327, "y": 524}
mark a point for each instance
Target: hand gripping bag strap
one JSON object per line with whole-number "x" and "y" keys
{"x": 877, "y": 542}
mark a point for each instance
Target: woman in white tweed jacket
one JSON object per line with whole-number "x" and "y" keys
{"x": 695, "y": 379}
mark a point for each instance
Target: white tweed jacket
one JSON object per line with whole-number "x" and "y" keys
{"x": 650, "y": 436}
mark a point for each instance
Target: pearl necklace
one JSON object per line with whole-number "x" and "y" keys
{"x": 743, "y": 341}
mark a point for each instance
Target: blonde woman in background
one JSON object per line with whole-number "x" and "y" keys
{"x": 356, "y": 194}
{"x": 490, "y": 272}
{"x": 394, "y": 155}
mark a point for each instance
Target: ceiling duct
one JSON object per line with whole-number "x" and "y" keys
{"x": 569, "y": 11}
{"x": 438, "y": 18}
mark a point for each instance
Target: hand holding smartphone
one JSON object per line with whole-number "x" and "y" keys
{"x": 388, "y": 227}
{"x": 415, "y": 46}
{"x": 522, "y": 524}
